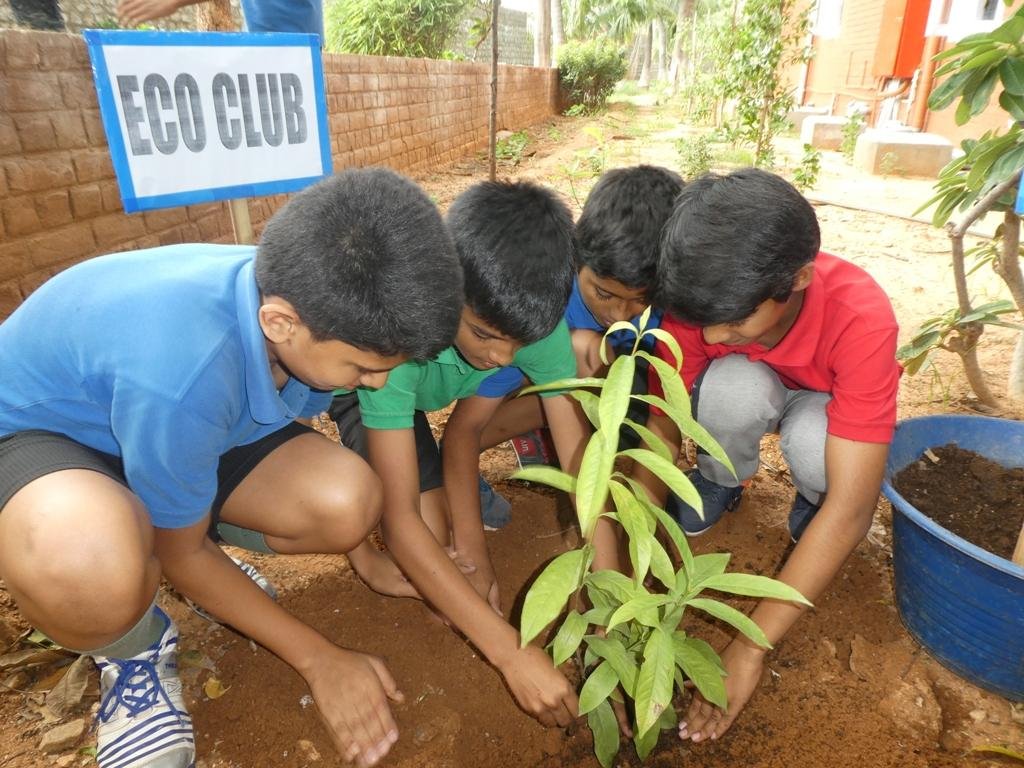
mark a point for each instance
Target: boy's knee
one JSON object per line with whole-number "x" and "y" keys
{"x": 350, "y": 509}
{"x": 736, "y": 394}
{"x": 586, "y": 346}
{"x": 802, "y": 440}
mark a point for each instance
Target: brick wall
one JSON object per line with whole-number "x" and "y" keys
{"x": 841, "y": 68}
{"x": 59, "y": 201}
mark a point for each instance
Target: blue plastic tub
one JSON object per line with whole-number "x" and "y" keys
{"x": 963, "y": 604}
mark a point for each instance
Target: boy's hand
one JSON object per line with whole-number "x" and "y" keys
{"x": 351, "y": 691}
{"x": 540, "y": 689}
{"x": 744, "y": 666}
{"x": 380, "y": 573}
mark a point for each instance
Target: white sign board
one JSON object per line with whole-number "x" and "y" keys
{"x": 193, "y": 117}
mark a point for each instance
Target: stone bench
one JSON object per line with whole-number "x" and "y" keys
{"x": 901, "y": 152}
{"x": 798, "y": 115}
{"x": 823, "y": 131}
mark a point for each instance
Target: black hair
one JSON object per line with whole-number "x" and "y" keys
{"x": 365, "y": 258}
{"x": 732, "y": 243}
{"x": 517, "y": 244}
{"x": 620, "y": 228}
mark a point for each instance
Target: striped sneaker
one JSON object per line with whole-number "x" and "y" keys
{"x": 142, "y": 717}
{"x": 249, "y": 570}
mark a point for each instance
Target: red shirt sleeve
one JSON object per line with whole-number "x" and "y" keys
{"x": 867, "y": 375}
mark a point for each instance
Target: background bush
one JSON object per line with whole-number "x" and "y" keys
{"x": 588, "y": 71}
{"x": 417, "y": 28}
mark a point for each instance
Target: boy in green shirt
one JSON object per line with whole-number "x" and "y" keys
{"x": 516, "y": 245}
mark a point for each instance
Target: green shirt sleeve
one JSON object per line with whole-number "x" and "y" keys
{"x": 393, "y": 406}
{"x": 549, "y": 359}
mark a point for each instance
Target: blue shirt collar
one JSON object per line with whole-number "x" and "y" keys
{"x": 266, "y": 404}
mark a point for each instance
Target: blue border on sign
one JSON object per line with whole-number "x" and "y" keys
{"x": 95, "y": 40}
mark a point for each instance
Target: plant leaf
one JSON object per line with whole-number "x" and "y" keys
{"x": 591, "y": 485}
{"x": 67, "y": 693}
{"x": 599, "y": 684}
{"x": 589, "y": 402}
{"x": 617, "y": 585}
{"x": 633, "y": 519}
{"x": 615, "y": 395}
{"x": 705, "y": 674}
{"x": 547, "y": 596}
{"x": 605, "y": 728}
{"x": 708, "y": 565}
{"x": 644, "y": 609}
{"x": 669, "y": 341}
{"x": 671, "y": 383}
{"x": 751, "y": 585}
{"x": 654, "y": 683}
{"x": 689, "y": 427}
{"x": 661, "y": 564}
{"x": 556, "y": 478}
{"x": 668, "y": 473}
{"x": 1011, "y": 72}
{"x": 731, "y": 616}
{"x": 652, "y": 441}
{"x": 590, "y": 382}
{"x": 569, "y": 637}
{"x": 614, "y": 652}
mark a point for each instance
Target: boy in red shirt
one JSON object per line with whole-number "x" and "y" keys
{"x": 776, "y": 337}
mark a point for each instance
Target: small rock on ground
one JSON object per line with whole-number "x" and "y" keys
{"x": 62, "y": 737}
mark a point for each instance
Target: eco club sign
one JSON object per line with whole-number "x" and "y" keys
{"x": 193, "y": 117}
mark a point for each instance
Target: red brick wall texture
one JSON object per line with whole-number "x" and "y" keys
{"x": 59, "y": 201}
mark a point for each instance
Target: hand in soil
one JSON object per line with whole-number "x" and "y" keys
{"x": 351, "y": 691}
{"x": 743, "y": 667}
{"x": 380, "y": 573}
{"x": 540, "y": 689}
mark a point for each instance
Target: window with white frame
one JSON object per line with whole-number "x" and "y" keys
{"x": 828, "y": 17}
{"x": 955, "y": 19}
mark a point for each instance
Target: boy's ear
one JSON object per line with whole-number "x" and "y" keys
{"x": 278, "y": 319}
{"x": 803, "y": 276}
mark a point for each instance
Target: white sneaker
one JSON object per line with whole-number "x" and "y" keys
{"x": 142, "y": 718}
{"x": 249, "y": 570}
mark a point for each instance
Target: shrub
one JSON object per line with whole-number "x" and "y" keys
{"x": 806, "y": 175}
{"x": 589, "y": 71}
{"x": 695, "y": 155}
{"x": 852, "y": 129}
{"x": 418, "y": 28}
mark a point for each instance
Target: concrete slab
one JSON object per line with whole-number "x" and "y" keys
{"x": 823, "y": 131}
{"x": 898, "y": 152}
{"x": 797, "y": 115}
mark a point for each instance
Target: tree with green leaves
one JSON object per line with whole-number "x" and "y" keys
{"x": 770, "y": 38}
{"x": 418, "y": 28}
{"x": 985, "y": 178}
{"x": 626, "y": 632}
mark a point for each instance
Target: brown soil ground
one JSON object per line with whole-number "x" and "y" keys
{"x": 848, "y": 687}
{"x": 965, "y": 493}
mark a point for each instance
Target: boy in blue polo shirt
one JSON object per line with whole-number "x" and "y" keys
{"x": 515, "y": 242}
{"x": 145, "y": 392}
{"x": 619, "y": 233}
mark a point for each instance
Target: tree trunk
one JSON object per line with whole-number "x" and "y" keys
{"x": 645, "y": 56}
{"x": 1008, "y": 268}
{"x": 492, "y": 122}
{"x": 657, "y": 51}
{"x": 557, "y": 29}
{"x": 680, "y": 57}
{"x": 542, "y": 35}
